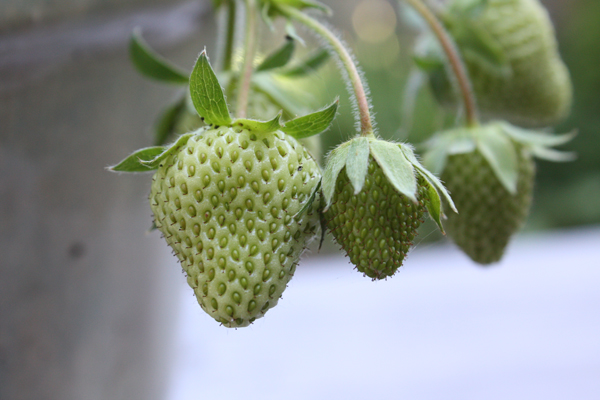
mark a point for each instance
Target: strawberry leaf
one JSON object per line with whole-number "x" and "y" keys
{"x": 154, "y": 163}
{"x": 207, "y": 94}
{"x": 151, "y": 64}
{"x": 396, "y": 167}
{"x": 357, "y": 162}
{"x": 278, "y": 58}
{"x": 499, "y": 151}
{"x": 311, "y": 124}
{"x": 335, "y": 162}
{"x": 259, "y": 126}
{"x": 166, "y": 123}
{"x": 135, "y": 162}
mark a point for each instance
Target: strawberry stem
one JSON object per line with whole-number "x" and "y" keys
{"x": 454, "y": 59}
{"x": 349, "y": 67}
{"x": 248, "y": 67}
{"x": 227, "y": 34}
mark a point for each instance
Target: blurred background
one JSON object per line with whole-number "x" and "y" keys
{"x": 92, "y": 307}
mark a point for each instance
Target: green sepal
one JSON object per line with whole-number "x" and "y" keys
{"x": 396, "y": 167}
{"x": 311, "y": 124}
{"x": 434, "y": 205}
{"x": 310, "y": 64}
{"x": 207, "y": 95}
{"x": 499, "y": 151}
{"x": 168, "y": 118}
{"x": 259, "y": 126}
{"x": 427, "y": 175}
{"x": 536, "y": 138}
{"x": 357, "y": 163}
{"x": 310, "y": 201}
{"x": 154, "y": 163}
{"x": 135, "y": 161}
{"x": 279, "y": 57}
{"x": 151, "y": 64}
{"x": 335, "y": 162}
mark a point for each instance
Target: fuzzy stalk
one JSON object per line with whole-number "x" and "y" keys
{"x": 250, "y": 44}
{"x": 351, "y": 70}
{"x": 454, "y": 59}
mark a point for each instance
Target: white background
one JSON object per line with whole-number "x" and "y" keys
{"x": 442, "y": 328}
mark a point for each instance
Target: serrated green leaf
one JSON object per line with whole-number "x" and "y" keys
{"x": 207, "y": 94}
{"x": 313, "y": 62}
{"x": 434, "y": 206}
{"x": 279, "y": 57}
{"x": 155, "y": 162}
{"x": 166, "y": 122}
{"x": 427, "y": 175}
{"x": 135, "y": 161}
{"x": 552, "y": 155}
{"x": 396, "y": 167}
{"x": 357, "y": 162}
{"x": 259, "y": 126}
{"x": 335, "y": 162}
{"x": 499, "y": 151}
{"x": 311, "y": 124}
{"x": 536, "y": 138}
{"x": 151, "y": 64}
{"x": 310, "y": 201}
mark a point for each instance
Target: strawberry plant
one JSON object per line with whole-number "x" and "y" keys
{"x": 238, "y": 192}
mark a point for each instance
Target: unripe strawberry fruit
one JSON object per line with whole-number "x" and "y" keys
{"x": 227, "y": 202}
{"x": 489, "y": 214}
{"x": 375, "y": 227}
{"x": 527, "y": 83}
{"x": 375, "y": 195}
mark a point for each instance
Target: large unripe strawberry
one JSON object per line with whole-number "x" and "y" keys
{"x": 511, "y": 54}
{"x": 490, "y": 172}
{"x": 376, "y": 194}
{"x": 226, "y": 203}
{"x": 236, "y": 200}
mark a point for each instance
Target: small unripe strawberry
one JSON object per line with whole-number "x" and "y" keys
{"x": 376, "y": 194}
{"x": 226, "y": 203}
{"x": 489, "y": 213}
{"x": 511, "y": 54}
{"x": 490, "y": 172}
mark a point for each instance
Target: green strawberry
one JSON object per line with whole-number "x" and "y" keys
{"x": 376, "y": 194}
{"x": 225, "y": 202}
{"x": 511, "y": 54}
{"x": 490, "y": 172}
{"x": 236, "y": 200}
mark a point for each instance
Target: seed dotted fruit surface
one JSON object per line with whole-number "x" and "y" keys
{"x": 488, "y": 214}
{"x": 226, "y": 202}
{"x": 375, "y": 227}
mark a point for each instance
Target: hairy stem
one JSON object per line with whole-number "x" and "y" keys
{"x": 456, "y": 63}
{"x": 362, "y": 101}
{"x": 248, "y": 67}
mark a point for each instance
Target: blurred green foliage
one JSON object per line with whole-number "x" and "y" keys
{"x": 566, "y": 194}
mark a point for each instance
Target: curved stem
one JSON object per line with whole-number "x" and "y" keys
{"x": 458, "y": 67}
{"x": 362, "y": 101}
{"x": 248, "y": 67}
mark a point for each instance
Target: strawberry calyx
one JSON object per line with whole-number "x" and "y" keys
{"x": 400, "y": 167}
{"x": 498, "y": 142}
